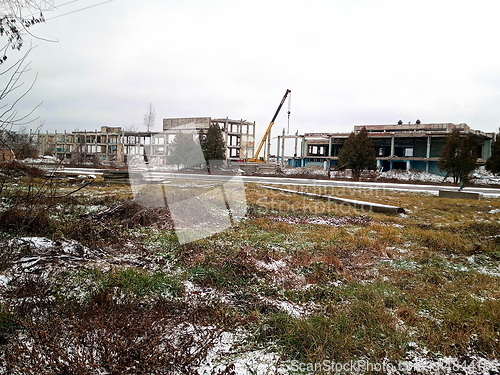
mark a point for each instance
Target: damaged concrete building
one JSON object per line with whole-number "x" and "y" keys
{"x": 399, "y": 146}
{"x": 84, "y": 146}
{"x": 239, "y": 135}
{"x": 116, "y": 145}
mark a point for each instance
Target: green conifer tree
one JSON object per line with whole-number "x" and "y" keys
{"x": 458, "y": 157}
{"x": 358, "y": 153}
{"x": 212, "y": 144}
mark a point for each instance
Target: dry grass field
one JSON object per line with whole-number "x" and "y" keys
{"x": 92, "y": 283}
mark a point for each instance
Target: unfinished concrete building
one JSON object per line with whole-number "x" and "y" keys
{"x": 115, "y": 145}
{"x": 399, "y": 146}
{"x": 84, "y": 146}
{"x": 239, "y": 135}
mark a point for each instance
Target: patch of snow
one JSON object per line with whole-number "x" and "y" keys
{"x": 403, "y": 264}
{"x": 39, "y": 243}
{"x": 414, "y": 175}
{"x": 320, "y": 220}
{"x": 41, "y": 160}
{"x": 312, "y": 170}
{"x": 44, "y": 245}
{"x": 4, "y": 280}
{"x": 94, "y": 208}
{"x": 273, "y": 266}
{"x": 242, "y": 361}
{"x": 484, "y": 265}
{"x": 291, "y": 309}
{"x": 479, "y": 177}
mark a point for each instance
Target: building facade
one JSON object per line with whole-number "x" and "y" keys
{"x": 115, "y": 145}
{"x": 239, "y": 135}
{"x": 400, "y": 146}
{"x": 84, "y": 146}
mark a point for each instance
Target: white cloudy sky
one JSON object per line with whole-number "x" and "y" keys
{"x": 347, "y": 62}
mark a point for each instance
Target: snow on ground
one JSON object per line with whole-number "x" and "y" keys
{"x": 479, "y": 177}
{"x": 230, "y": 350}
{"x": 4, "y": 281}
{"x": 42, "y": 256}
{"x": 481, "y": 265}
{"x": 42, "y": 245}
{"x": 42, "y": 160}
{"x": 321, "y": 220}
{"x": 413, "y": 175}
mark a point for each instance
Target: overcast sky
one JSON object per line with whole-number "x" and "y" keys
{"x": 347, "y": 62}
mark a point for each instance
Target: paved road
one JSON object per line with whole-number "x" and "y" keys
{"x": 159, "y": 176}
{"x": 494, "y": 192}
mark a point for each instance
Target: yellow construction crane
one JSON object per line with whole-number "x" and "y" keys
{"x": 268, "y": 131}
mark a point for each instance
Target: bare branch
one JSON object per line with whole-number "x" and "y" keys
{"x": 16, "y": 17}
{"x": 9, "y": 113}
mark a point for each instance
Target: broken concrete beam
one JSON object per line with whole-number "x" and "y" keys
{"x": 368, "y": 206}
{"x": 458, "y": 194}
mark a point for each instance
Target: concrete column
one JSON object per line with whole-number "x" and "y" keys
{"x": 330, "y": 146}
{"x": 268, "y": 147}
{"x": 486, "y": 149}
{"x": 408, "y": 165}
{"x": 253, "y": 141}
{"x": 392, "y": 148}
{"x": 283, "y": 149}
{"x": 226, "y": 136}
{"x": 278, "y": 150}
{"x": 428, "y": 154}
{"x": 303, "y": 152}
{"x": 296, "y": 144}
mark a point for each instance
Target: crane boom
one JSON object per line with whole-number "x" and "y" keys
{"x": 269, "y": 127}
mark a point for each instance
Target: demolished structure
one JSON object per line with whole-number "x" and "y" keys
{"x": 116, "y": 145}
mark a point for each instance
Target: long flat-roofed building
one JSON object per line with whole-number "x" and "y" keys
{"x": 399, "y": 146}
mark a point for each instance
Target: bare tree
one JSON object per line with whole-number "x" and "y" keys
{"x": 149, "y": 118}
{"x": 130, "y": 128}
{"x": 16, "y": 18}
{"x": 12, "y": 92}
